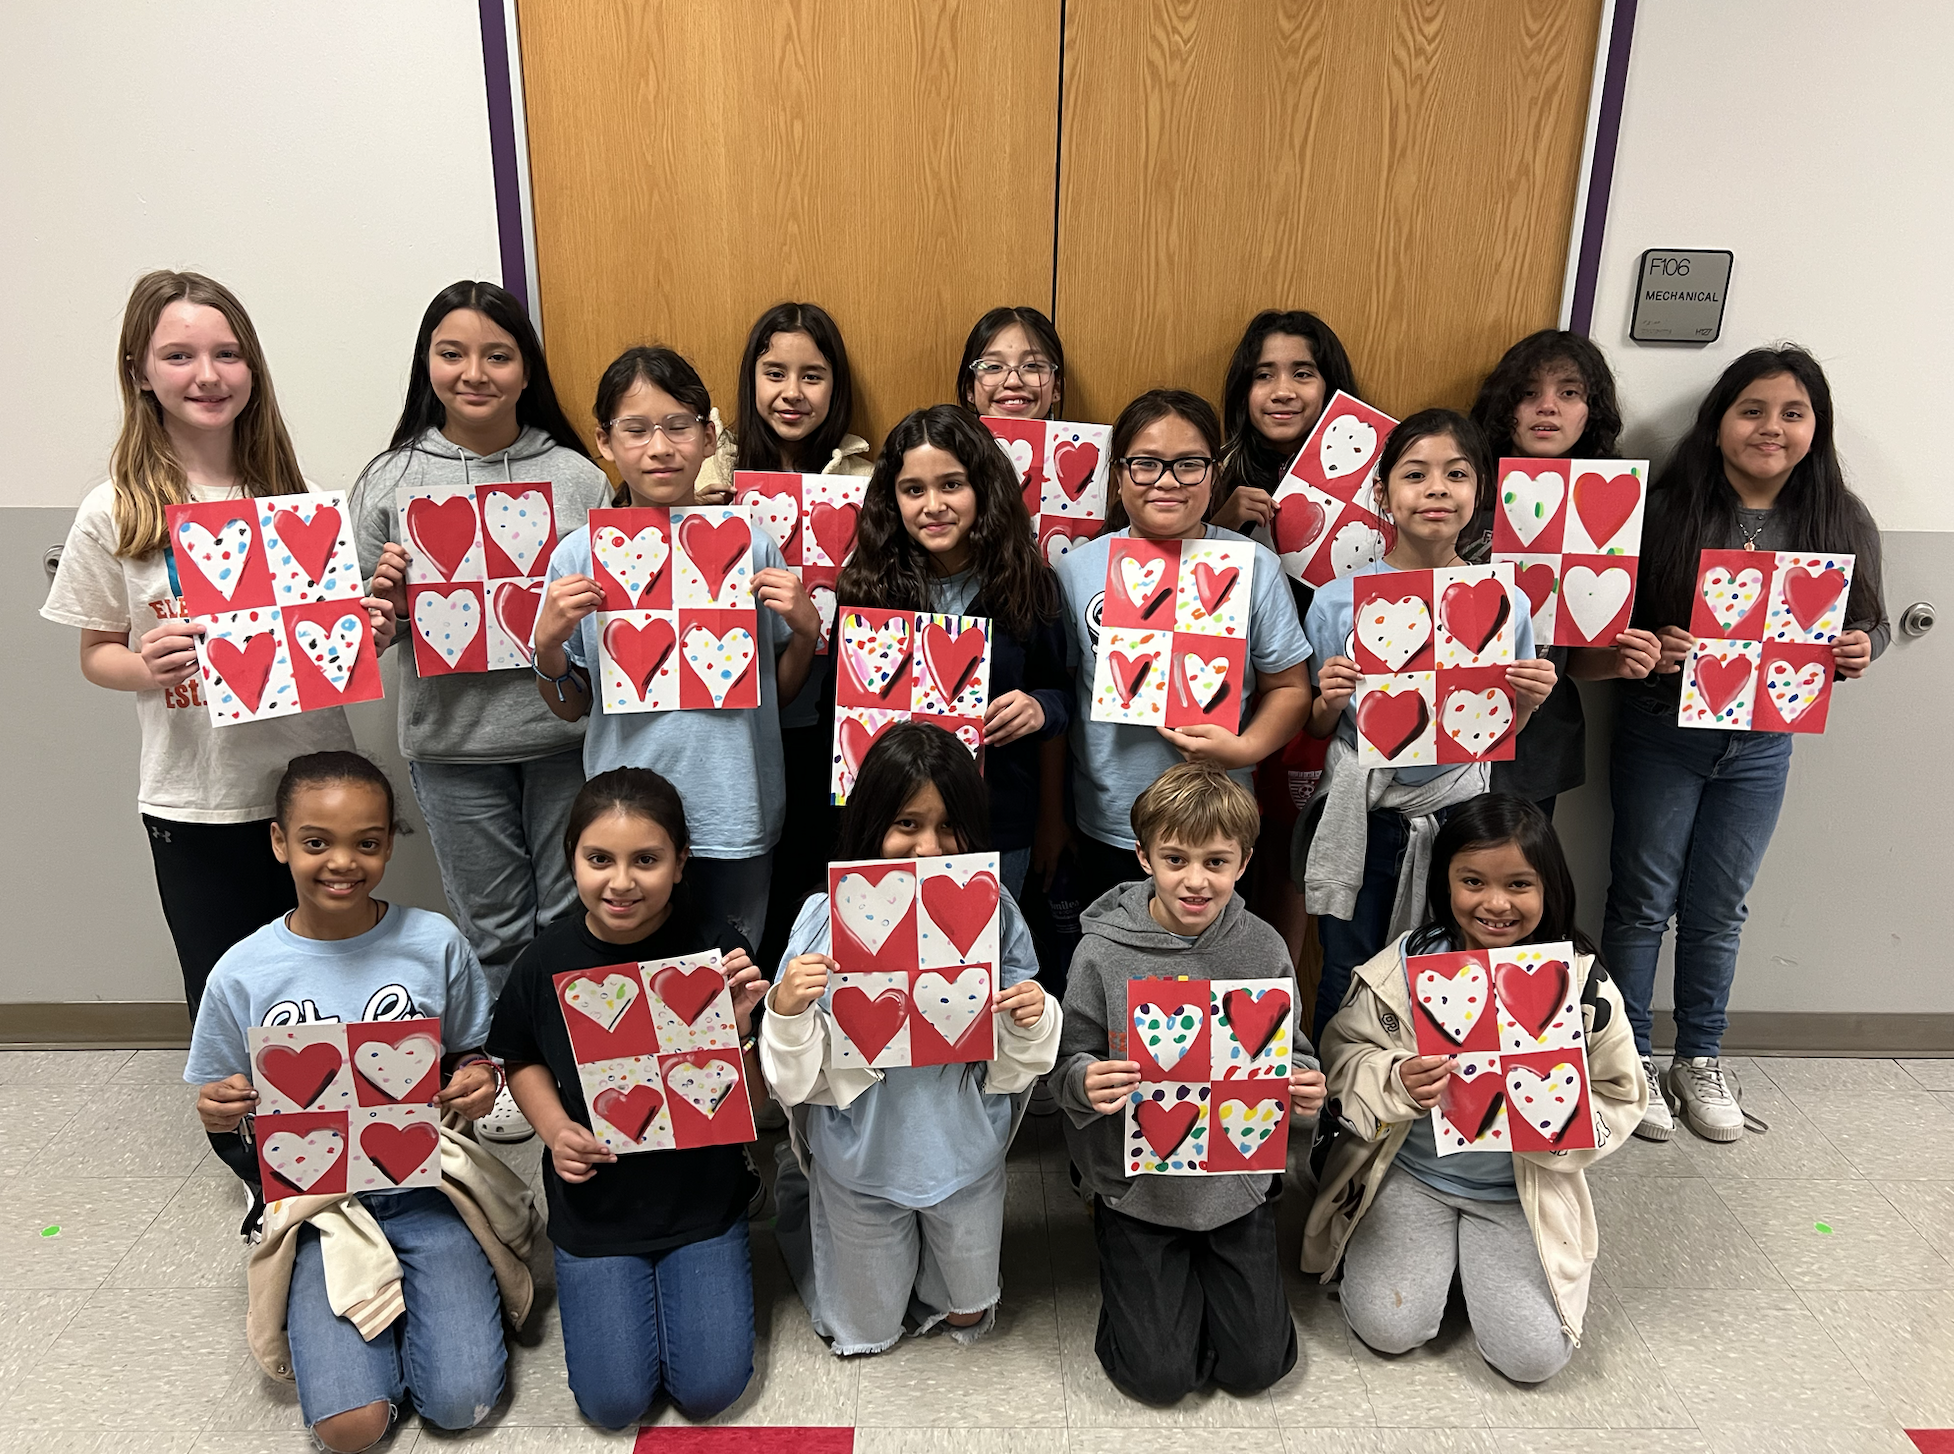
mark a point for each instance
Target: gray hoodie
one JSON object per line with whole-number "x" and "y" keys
{"x": 1120, "y": 941}
{"x": 478, "y": 716}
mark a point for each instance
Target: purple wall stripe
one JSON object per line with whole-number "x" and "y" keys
{"x": 502, "y": 148}
{"x": 1601, "y": 176}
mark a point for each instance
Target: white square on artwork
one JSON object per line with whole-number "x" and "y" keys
{"x": 1467, "y": 630}
{"x": 1129, "y": 678}
{"x": 965, "y": 890}
{"x": 1215, "y": 581}
{"x": 873, "y": 988}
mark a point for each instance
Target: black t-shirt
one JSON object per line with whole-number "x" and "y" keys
{"x": 648, "y": 1201}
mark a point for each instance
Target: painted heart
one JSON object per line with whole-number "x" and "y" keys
{"x": 219, "y": 558}
{"x": 1214, "y": 586}
{"x": 300, "y": 1072}
{"x": 1794, "y": 689}
{"x": 869, "y": 1024}
{"x": 1732, "y": 597}
{"x": 1530, "y": 501}
{"x": 1248, "y": 1124}
{"x": 1393, "y": 721}
{"x": 857, "y": 737}
{"x": 1355, "y": 546}
{"x": 1810, "y": 594}
{"x": 1019, "y": 452}
{"x": 515, "y": 612}
{"x": 871, "y": 911}
{"x": 1604, "y": 503}
{"x": 1299, "y": 521}
{"x": 1477, "y": 720}
{"x": 1129, "y": 672}
{"x": 630, "y": 1111}
{"x": 687, "y": 992}
{"x": 953, "y": 660}
{"x": 1204, "y": 680}
{"x": 519, "y": 525}
{"x": 704, "y": 1087}
{"x": 1347, "y": 446}
{"x": 951, "y": 1005}
{"x": 1537, "y": 581}
{"x": 639, "y": 652}
{"x": 824, "y": 602}
{"x": 1454, "y": 1002}
{"x": 634, "y": 561}
{"x": 1720, "y": 682}
{"x": 244, "y": 669}
{"x": 833, "y": 527}
{"x": 443, "y": 531}
{"x": 399, "y": 1151}
{"x": 603, "y": 1000}
{"x": 332, "y": 650}
{"x": 1545, "y": 1102}
{"x": 448, "y": 624}
{"x": 1474, "y": 612}
{"x": 1058, "y": 545}
{"x": 1595, "y": 598}
{"x": 301, "y": 1161}
{"x": 1167, "y": 1034}
{"x": 715, "y": 548}
{"x": 309, "y": 545}
{"x": 875, "y": 655}
{"x": 397, "y": 1068}
{"x": 1394, "y": 631}
{"x": 1254, "y": 1018}
{"x": 1165, "y": 1126}
{"x": 1471, "y": 1107}
{"x": 1141, "y": 582}
{"x": 779, "y": 515}
{"x": 1532, "y": 994}
{"x": 962, "y": 911}
{"x": 722, "y": 661}
{"x": 1075, "y": 462}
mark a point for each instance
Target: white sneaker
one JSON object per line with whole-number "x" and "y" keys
{"x": 252, "y": 1228}
{"x": 1703, "y": 1099}
{"x": 504, "y": 1122}
{"x": 1657, "y": 1123}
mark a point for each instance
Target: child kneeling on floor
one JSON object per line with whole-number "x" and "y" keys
{"x": 1517, "y": 1227}
{"x": 1190, "y": 1284}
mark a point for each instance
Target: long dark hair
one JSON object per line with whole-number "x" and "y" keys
{"x": 1246, "y": 457}
{"x": 905, "y": 757}
{"x": 1428, "y": 424}
{"x": 1486, "y": 822}
{"x": 1150, "y": 408}
{"x": 647, "y": 363}
{"x": 759, "y": 447}
{"x": 1037, "y": 327}
{"x": 1498, "y": 404}
{"x": 890, "y": 571}
{"x": 1818, "y": 509}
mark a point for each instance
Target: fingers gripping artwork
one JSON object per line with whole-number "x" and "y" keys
{"x": 1325, "y": 525}
{"x": 1063, "y": 469}
{"x": 812, "y": 518}
{"x": 678, "y": 630}
{"x": 899, "y": 665}
{"x": 1174, "y": 648}
{"x": 276, "y": 584}
{"x": 1512, "y": 1017}
{"x": 475, "y": 573}
{"x": 916, "y": 945}
{"x": 1214, "y": 1059}
{"x": 1434, "y": 647}
{"x": 346, "y": 1107}
{"x": 1572, "y": 531}
{"x": 1765, "y": 623}
{"x": 658, "y": 1053}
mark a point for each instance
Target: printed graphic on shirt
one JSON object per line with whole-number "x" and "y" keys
{"x": 1572, "y": 531}
{"x": 1325, "y": 527}
{"x": 1215, "y": 1059}
{"x": 812, "y": 518}
{"x": 897, "y": 665}
{"x": 1765, "y": 623}
{"x": 1434, "y": 647}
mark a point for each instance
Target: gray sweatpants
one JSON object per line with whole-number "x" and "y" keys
{"x": 1397, "y": 1275}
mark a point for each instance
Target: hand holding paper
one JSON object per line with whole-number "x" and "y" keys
{"x": 1307, "y": 1089}
{"x": 803, "y": 982}
{"x": 470, "y": 1093}
{"x": 1109, "y": 1082}
{"x": 1424, "y": 1077}
{"x": 223, "y": 1103}
{"x": 169, "y": 652}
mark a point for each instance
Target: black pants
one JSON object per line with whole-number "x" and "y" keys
{"x": 1180, "y": 1308}
{"x": 1103, "y": 866}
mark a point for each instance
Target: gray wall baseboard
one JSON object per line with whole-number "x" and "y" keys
{"x": 1784, "y": 1032}
{"x": 96, "y": 1025}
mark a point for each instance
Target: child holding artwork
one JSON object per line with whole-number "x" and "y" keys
{"x": 1191, "y": 1287}
{"x": 1287, "y": 367}
{"x": 653, "y": 423}
{"x": 944, "y": 530}
{"x": 343, "y": 955}
{"x": 905, "y": 1166}
{"x": 1517, "y": 1228}
{"x": 653, "y": 1274}
{"x": 1013, "y": 366}
{"x": 1695, "y": 807}
{"x": 1365, "y": 838}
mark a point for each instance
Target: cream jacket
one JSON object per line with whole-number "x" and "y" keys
{"x": 715, "y": 483}
{"x": 1362, "y": 1048}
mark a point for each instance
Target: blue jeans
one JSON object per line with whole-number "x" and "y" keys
{"x": 1347, "y": 943}
{"x": 678, "y": 1323}
{"x": 447, "y": 1348}
{"x": 1013, "y": 865}
{"x": 733, "y": 891}
{"x": 1694, "y": 811}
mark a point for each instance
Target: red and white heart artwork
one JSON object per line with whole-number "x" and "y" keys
{"x": 1765, "y": 623}
{"x": 916, "y": 941}
{"x": 658, "y": 1053}
{"x": 812, "y": 518}
{"x": 477, "y": 558}
{"x": 897, "y": 666}
{"x": 1326, "y": 522}
{"x": 1062, "y": 470}
{"x": 1214, "y": 1057}
{"x": 1173, "y": 650}
{"x": 346, "y": 1106}
{"x": 1434, "y": 647}
{"x": 1572, "y": 531}
{"x": 276, "y": 585}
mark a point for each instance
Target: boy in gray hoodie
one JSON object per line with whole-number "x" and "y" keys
{"x": 1191, "y": 1287}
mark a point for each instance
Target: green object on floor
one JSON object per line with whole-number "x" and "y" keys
{"x": 1824, "y": 1229}
{"x": 50, "y": 1231}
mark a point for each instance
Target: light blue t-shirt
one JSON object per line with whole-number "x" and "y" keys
{"x": 1330, "y": 613}
{"x": 952, "y": 595}
{"x": 725, "y": 763}
{"x": 926, "y": 1132}
{"x": 1114, "y": 763}
{"x": 1484, "y": 1176}
{"x": 412, "y": 965}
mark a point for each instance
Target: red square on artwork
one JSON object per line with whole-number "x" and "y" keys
{"x": 774, "y": 498}
{"x": 1248, "y": 1126}
{"x": 219, "y": 556}
{"x": 954, "y": 1002}
{"x": 631, "y": 558}
{"x": 1141, "y": 579}
{"x": 874, "y": 915}
{"x": 1206, "y": 681}
{"x": 395, "y": 1062}
{"x": 1597, "y": 596}
{"x": 1391, "y": 622}
{"x": 1733, "y": 594}
{"x": 303, "y": 1153}
{"x": 450, "y": 627}
{"x": 707, "y": 1096}
{"x": 719, "y": 659}
{"x": 333, "y": 662}
{"x": 1547, "y": 1102}
{"x": 1170, "y": 1028}
{"x": 1794, "y": 689}
{"x": 518, "y": 529}
{"x": 1476, "y": 711}
{"x": 605, "y": 1012}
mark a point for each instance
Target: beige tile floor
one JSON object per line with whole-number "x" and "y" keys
{"x": 1722, "y": 1320}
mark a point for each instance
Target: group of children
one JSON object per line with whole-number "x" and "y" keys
{"x": 571, "y": 838}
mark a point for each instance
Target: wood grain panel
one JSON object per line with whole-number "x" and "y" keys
{"x": 892, "y": 160}
{"x": 1405, "y": 168}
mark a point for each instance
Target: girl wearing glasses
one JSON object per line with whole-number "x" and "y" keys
{"x": 1164, "y": 448}
{"x": 1013, "y": 366}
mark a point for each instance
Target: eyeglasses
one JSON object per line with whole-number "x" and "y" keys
{"x": 635, "y": 429}
{"x": 1033, "y": 371}
{"x": 1146, "y": 469}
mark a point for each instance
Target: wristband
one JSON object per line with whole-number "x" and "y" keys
{"x": 557, "y": 682}
{"x": 749, "y": 1044}
{"x": 501, "y": 1075}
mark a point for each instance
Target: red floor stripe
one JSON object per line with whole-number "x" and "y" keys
{"x": 1932, "y": 1441}
{"x": 753, "y": 1440}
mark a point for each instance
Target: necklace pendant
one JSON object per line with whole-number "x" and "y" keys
{"x": 1750, "y": 545}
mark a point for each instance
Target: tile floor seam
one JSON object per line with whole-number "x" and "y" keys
{"x": 1845, "y": 1354}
